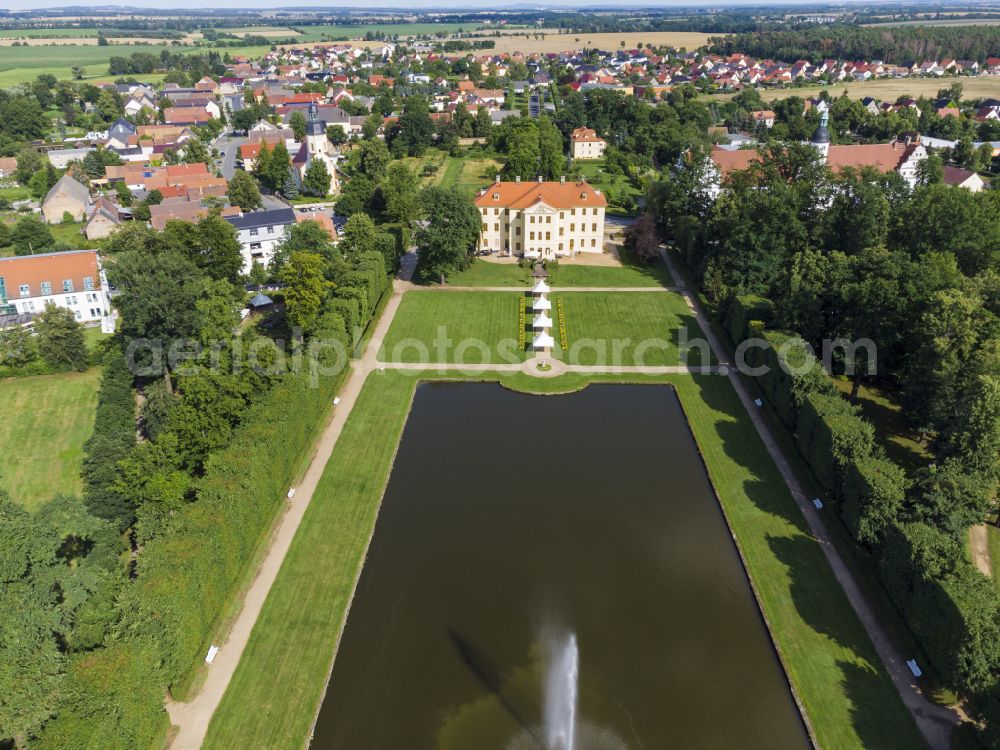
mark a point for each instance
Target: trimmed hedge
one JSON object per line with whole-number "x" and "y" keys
{"x": 874, "y": 494}
{"x": 792, "y": 372}
{"x": 832, "y": 437}
{"x": 951, "y": 607}
{"x": 112, "y": 440}
{"x": 741, "y": 311}
{"x": 185, "y": 577}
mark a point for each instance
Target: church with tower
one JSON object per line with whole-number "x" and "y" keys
{"x": 318, "y": 146}
{"x": 902, "y": 156}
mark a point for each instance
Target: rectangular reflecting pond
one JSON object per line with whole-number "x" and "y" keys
{"x": 553, "y": 573}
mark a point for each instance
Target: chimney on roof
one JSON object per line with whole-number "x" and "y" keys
{"x": 539, "y": 178}
{"x": 562, "y": 179}
{"x": 517, "y": 179}
{"x": 497, "y": 179}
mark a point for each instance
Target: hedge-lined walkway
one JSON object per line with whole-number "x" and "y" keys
{"x": 272, "y": 697}
{"x": 935, "y": 722}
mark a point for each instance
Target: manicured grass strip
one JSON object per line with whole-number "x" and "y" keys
{"x": 48, "y": 419}
{"x": 487, "y": 273}
{"x": 993, "y": 533}
{"x": 644, "y": 327}
{"x": 850, "y": 701}
{"x": 278, "y": 685}
{"x": 630, "y": 273}
{"x": 465, "y": 327}
{"x": 451, "y": 173}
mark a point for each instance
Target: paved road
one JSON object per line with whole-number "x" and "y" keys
{"x": 231, "y": 145}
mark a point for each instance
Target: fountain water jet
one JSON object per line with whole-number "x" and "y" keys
{"x": 561, "y": 694}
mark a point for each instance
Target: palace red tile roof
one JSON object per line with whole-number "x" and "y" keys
{"x": 554, "y": 194}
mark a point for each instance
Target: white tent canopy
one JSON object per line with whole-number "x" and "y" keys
{"x": 543, "y": 341}
{"x": 543, "y": 321}
{"x": 541, "y": 304}
{"x": 541, "y": 288}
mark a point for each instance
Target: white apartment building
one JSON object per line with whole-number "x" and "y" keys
{"x": 72, "y": 279}
{"x": 259, "y": 233}
{"x": 543, "y": 220}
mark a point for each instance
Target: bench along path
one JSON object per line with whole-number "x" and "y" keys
{"x": 934, "y": 721}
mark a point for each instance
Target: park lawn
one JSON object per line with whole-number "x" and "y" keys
{"x": 643, "y": 326}
{"x": 15, "y": 193}
{"x": 850, "y": 701}
{"x": 488, "y": 273}
{"x": 630, "y": 273}
{"x": 886, "y": 414}
{"x": 614, "y": 186}
{"x": 452, "y": 170}
{"x": 993, "y": 534}
{"x": 486, "y": 319}
{"x": 71, "y": 236}
{"x": 49, "y": 418}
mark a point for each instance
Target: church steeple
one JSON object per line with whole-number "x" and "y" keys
{"x": 821, "y": 138}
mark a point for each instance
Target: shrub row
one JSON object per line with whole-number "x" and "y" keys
{"x": 113, "y": 439}
{"x": 952, "y": 609}
{"x": 185, "y": 578}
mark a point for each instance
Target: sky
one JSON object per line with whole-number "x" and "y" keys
{"x": 410, "y": 4}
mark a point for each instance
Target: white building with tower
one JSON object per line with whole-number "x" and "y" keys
{"x": 318, "y": 146}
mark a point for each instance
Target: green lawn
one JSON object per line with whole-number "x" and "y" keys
{"x": 616, "y": 187}
{"x": 279, "y": 683}
{"x": 48, "y": 419}
{"x": 487, "y": 319}
{"x": 643, "y": 326}
{"x": 994, "y": 536}
{"x": 630, "y": 273}
{"x": 487, "y": 273}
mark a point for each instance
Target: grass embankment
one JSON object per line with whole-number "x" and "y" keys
{"x": 279, "y": 684}
{"x": 48, "y": 419}
{"x": 646, "y": 328}
{"x": 993, "y": 534}
{"x": 486, "y": 320}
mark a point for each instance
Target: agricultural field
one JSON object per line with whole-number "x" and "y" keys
{"x": 354, "y": 31}
{"x": 23, "y": 64}
{"x": 43, "y": 446}
{"x": 562, "y": 42}
{"x": 888, "y": 89}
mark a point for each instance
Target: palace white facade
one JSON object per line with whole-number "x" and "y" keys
{"x": 545, "y": 220}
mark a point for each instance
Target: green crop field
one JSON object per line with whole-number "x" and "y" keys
{"x": 355, "y": 31}
{"x": 643, "y": 327}
{"x": 49, "y": 418}
{"x": 23, "y": 64}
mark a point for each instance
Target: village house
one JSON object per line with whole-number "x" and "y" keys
{"x": 964, "y": 178}
{"x": 541, "y": 219}
{"x": 260, "y": 232}
{"x": 584, "y": 143}
{"x": 104, "y": 218}
{"x": 67, "y": 196}
{"x": 73, "y": 279}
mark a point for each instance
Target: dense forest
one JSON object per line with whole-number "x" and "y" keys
{"x": 896, "y": 45}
